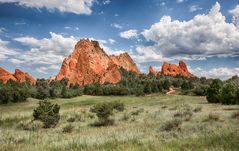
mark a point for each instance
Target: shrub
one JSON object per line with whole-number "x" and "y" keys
{"x": 166, "y": 85}
{"x": 126, "y": 116}
{"x": 212, "y": 117}
{"x": 118, "y": 106}
{"x": 47, "y": 113}
{"x": 186, "y": 85}
{"x": 171, "y": 125}
{"x": 30, "y": 125}
{"x": 137, "y": 112}
{"x": 139, "y": 91}
{"x": 228, "y": 94}
{"x": 103, "y": 112}
{"x": 184, "y": 112}
{"x": 68, "y": 128}
{"x": 197, "y": 109}
{"x": 235, "y": 115}
{"x": 213, "y": 92}
{"x": 71, "y": 119}
{"x": 200, "y": 90}
{"x": 5, "y": 96}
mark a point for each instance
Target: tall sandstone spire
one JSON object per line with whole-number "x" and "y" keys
{"x": 90, "y": 64}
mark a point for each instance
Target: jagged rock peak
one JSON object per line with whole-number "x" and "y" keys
{"x": 125, "y": 61}
{"x": 19, "y": 76}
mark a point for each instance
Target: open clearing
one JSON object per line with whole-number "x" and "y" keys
{"x": 156, "y": 122}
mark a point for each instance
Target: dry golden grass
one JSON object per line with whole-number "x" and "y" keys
{"x": 139, "y": 127}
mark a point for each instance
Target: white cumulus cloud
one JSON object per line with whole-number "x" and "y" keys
{"x": 203, "y": 36}
{"x": 221, "y": 72}
{"x": 49, "y": 51}
{"x": 73, "y": 6}
{"x": 132, "y": 33}
{"x": 5, "y": 51}
{"x": 194, "y": 8}
{"x": 235, "y": 11}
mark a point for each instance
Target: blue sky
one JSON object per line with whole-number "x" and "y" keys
{"x": 35, "y": 36}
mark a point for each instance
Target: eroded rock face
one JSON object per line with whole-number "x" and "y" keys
{"x": 23, "y": 77}
{"x": 184, "y": 69}
{"x": 152, "y": 71}
{"x": 90, "y": 64}
{"x": 126, "y": 62}
{"x": 174, "y": 70}
{"x": 19, "y": 76}
{"x": 5, "y": 75}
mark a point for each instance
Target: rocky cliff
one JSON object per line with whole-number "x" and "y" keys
{"x": 88, "y": 63}
{"x": 5, "y": 75}
{"x": 126, "y": 62}
{"x": 23, "y": 77}
{"x": 172, "y": 69}
{"x": 19, "y": 76}
{"x": 152, "y": 71}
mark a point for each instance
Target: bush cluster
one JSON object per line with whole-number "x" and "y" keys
{"x": 14, "y": 91}
{"x": 223, "y": 92}
{"x": 104, "y": 110}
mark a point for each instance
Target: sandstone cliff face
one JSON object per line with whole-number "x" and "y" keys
{"x": 89, "y": 64}
{"x": 5, "y": 76}
{"x": 23, "y": 77}
{"x": 19, "y": 76}
{"x": 172, "y": 69}
{"x": 152, "y": 71}
{"x": 126, "y": 62}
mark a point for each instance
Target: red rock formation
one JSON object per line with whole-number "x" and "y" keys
{"x": 184, "y": 69}
{"x": 173, "y": 70}
{"x": 5, "y": 76}
{"x": 19, "y": 76}
{"x": 89, "y": 64}
{"x": 152, "y": 71}
{"x": 23, "y": 77}
{"x": 126, "y": 62}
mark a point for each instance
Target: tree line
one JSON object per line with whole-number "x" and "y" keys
{"x": 216, "y": 91}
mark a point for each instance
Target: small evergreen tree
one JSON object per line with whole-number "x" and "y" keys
{"x": 47, "y": 113}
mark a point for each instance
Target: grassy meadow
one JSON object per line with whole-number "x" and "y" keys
{"x": 154, "y": 122}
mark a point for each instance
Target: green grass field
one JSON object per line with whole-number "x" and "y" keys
{"x": 148, "y": 123}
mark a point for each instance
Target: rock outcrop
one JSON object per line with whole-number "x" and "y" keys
{"x": 172, "y": 70}
{"x": 152, "y": 71}
{"x": 23, "y": 77}
{"x": 5, "y": 75}
{"x": 90, "y": 64}
{"x": 126, "y": 62}
{"x": 18, "y": 76}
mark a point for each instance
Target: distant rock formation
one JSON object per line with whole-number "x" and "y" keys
{"x": 5, "y": 75}
{"x": 88, "y": 64}
{"x": 172, "y": 70}
{"x": 18, "y": 76}
{"x": 152, "y": 71}
{"x": 23, "y": 77}
{"x": 125, "y": 61}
